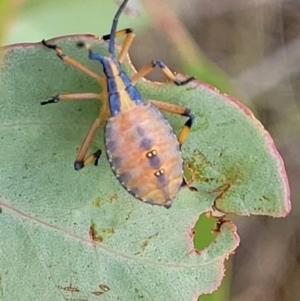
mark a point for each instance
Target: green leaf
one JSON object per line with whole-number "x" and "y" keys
{"x": 139, "y": 251}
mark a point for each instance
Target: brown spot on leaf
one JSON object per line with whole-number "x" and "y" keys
{"x": 113, "y": 197}
{"x": 93, "y": 233}
{"x": 220, "y": 222}
{"x": 98, "y": 293}
{"x": 104, "y": 287}
{"x": 69, "y": 289}
{"x": 264, "y": 198}
{"x": 97, "y": 202}
{"x": 108, "y": 231}
{"x": 194, "y": 168}
{"x": 146, "y": 241}
{"x": 220, "y": 191}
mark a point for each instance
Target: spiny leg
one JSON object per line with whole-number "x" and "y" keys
{"x": 180, "y": 110}
{"x": 130, "y": 35}
{"x": 150, "y": 66}
{"x": 81, "y": 160}
{"x": 72, "y": 96}
{"x": 72, "y": 61}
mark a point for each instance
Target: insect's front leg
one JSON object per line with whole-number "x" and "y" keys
{"x": 69, "y": 60}
{"x": 130, "y": 35}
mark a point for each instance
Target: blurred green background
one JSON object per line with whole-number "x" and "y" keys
{"x": 249, "y": 49}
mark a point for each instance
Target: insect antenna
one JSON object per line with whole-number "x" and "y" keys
{"x": 111, "y": 48}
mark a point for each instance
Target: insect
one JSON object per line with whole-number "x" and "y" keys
{"x": 141, "y": 146}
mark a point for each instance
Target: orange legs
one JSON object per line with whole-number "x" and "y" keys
{"x": 130, "y": 35}
{"x": 150, "y": 66}
{"x": 176, "y": 109}
{"x": 81, "y": 159}
{"x": 73, "y": 62}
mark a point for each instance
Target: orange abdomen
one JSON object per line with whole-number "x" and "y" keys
{"x": 144, "y": 154}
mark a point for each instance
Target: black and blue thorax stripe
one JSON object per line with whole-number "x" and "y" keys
{"x": 122, "y": 95}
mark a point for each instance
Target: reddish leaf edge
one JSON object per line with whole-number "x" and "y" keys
{"x": 270, "y": 142}
{"x": 225, "y": 225}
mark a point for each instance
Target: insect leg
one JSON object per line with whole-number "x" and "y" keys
{"x": 73, "y": 96}
{"x": 73, "y": 62}
{"x": 183, "y": 111}
{"x": 180, "y": 110}
{"x": 150, "y": 66}
{"x": 130, "y": 35}
{"x": 81, "y": 160}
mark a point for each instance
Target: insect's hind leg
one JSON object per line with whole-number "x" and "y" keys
{"x": 72, "y": 62}
{"x": 81, "y": 160}
{"x": 150, "y": 66}
{"x": 130, "y": 35}
{"x": 183, "y": 111}
{"x": 180, "y": 110}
